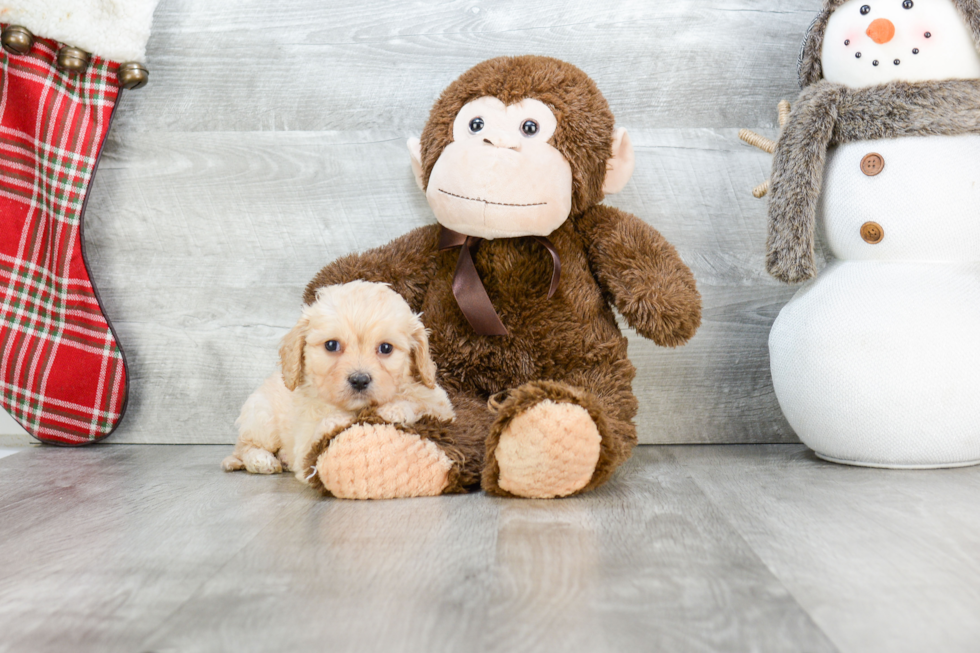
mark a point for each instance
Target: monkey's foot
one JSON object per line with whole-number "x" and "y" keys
{"x": 550, "y": 449}
{"x": 379, "y": 461}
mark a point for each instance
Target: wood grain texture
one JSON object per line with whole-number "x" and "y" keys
{"x": 645, "y": 564}
{"x": 268, "y": 145}
{"x": 139, "y": 548}
{"x": 882, "y": 560}
{"x": 241, "y": 65}
{"x": 102, "y": 544}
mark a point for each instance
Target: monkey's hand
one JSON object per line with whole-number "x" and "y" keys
{"x": 649, "y": 283}
{"x": 406, "y": 264}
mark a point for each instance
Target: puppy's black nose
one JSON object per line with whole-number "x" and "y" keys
{"x": 359, "y": 381}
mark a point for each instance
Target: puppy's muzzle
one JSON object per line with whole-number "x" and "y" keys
{"x": 359, "y": 381}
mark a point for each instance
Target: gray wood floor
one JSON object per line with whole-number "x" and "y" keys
{"x": 699, "y": 548}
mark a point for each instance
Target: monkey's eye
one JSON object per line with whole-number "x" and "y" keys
{"x": 385, "y": 348}
{"x": 476, "y": 125}
{"x": 865, "y": 10}
{"x": 908, "y": 4}
{"x": 332, "y": 346}
{"x": 530, "y": 128}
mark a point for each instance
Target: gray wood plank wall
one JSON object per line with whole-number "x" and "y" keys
{"x": 269, "y": 142}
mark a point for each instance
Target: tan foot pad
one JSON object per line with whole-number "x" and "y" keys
{"x": 377, "y": 461}
{"x": 550, "y": 450}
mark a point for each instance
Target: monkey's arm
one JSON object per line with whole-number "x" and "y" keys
{"x": 407, "y": 263}
{"x": 646, "y": 279}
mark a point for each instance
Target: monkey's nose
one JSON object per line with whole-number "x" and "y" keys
{"x": 881, "y": 30}
{"x": 359, "y": 381}
{"x": 500, "y": 140}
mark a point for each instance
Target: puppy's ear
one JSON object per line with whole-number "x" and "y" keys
{"x": 291, "y": 353}
{"x": 422, "y": 363}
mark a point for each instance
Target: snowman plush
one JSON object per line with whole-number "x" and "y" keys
{"x": 876, "y": 361}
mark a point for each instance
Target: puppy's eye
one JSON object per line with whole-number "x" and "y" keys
{"x": 332, "y": 345}
{"x": 865, "y": 10}
{"x": 476, "y": 125}
{"x": 384, "y": 349}
{"x": 530, "y": 128}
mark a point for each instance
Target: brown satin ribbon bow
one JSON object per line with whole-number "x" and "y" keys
{"x": 468, "y": 288}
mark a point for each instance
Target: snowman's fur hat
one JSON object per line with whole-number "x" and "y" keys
{"x": 809, "y": 68}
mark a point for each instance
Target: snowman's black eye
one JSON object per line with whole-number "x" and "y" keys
{"x": 847, "y": 42}
{"x": 898, "y": 61}
{"x": 857, "y": 56}
{"x": 874, "y": 63}
{"x": 915, "y": 50}
{"x": 908, "y": 4}
{"x": 332, "y": 345}
{"x": 530, "y": 128}
{"x": 476, "y": 125}
{"x": 865, "y": 10}
{"x": 928, "y": 35}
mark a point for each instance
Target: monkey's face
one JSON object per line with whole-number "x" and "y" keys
{"x": 500, "y": 177}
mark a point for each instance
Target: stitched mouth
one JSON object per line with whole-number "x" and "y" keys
{"x": 473, "y": 199}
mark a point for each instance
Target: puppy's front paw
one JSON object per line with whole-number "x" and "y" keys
{"x": 439, "y": 406}
{"x": 232, "y": 463}
{"x": 260, "y": 461}
{"x": 399, "y": 412}
{"x": 329, "y": 425}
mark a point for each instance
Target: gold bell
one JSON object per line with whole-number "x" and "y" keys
{"x": 17, "y": 39}
{"x": 74, "y": 60}
{"x": 132, "y": 75}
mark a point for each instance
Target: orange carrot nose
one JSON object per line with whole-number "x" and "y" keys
{"x": 881, "y": 30}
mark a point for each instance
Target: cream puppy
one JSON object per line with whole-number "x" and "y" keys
{"x": 357, "y": 346}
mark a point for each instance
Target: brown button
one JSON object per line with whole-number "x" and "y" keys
{"x": 872, "y": 164}
{"x": 872, "y": 233}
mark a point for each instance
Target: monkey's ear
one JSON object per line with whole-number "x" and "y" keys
{"x": 415, "y": 150}
{"x": 291, "y": 353}
{"x": 619, "y": 168}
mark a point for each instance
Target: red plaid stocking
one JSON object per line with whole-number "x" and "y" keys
{"x": 62, "y": 374}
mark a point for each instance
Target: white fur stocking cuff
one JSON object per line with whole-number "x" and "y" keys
{"x": 114, "y": 29}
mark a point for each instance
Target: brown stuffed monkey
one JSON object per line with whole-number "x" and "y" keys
{"x": 516, "y": 284}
